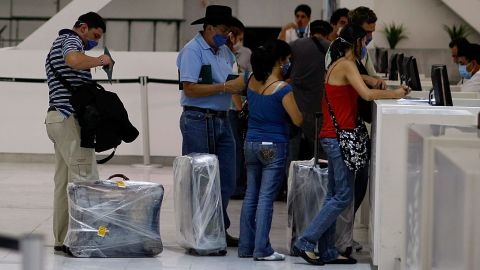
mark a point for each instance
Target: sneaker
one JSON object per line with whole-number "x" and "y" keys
{"x": 274, "y": 257}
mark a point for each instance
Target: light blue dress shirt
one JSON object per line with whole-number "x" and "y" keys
{"x": 189, "y": 62}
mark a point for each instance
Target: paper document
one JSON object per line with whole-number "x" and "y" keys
{"x": 108, "y": 69}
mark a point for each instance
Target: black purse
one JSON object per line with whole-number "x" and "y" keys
{"x": 354, "y": 143}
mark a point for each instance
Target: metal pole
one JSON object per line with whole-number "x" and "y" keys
{"x": 31, "y": 247}
{"x": 145, "y": 123}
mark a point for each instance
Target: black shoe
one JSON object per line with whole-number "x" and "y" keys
{"x": 195, "y": 252}
{"x": 347, "y": 253}
{"x": 347, "y": 260}
{"x": 67, "y": 251}
{"x": 231, "y": 241}
{"x": 304, "y": 255}
{"x": 58, "y": 248}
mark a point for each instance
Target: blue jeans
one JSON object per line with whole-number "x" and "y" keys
{"x": 339, "y": 196}
{"x": 193, "y": 126}
{"x": 265, "y": 173}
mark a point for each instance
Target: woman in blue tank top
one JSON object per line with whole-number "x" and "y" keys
{"x": 271, "y": 106}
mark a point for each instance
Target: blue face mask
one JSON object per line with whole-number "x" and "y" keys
{"x": 219, "y": 40}
{"x": 464, "y": 72}
{"x": 301, "y": 31}
{"x": 363, "y": 53}
{"x": 90, "y": 44}
{"x": 285, "y": 70}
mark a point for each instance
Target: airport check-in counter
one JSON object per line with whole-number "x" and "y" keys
{"x": 422, "y": 175}
{"x": 388, "y": 171}
{"x": 456, "y": 200}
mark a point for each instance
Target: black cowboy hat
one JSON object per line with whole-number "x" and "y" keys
{"x": 216, "y": 14}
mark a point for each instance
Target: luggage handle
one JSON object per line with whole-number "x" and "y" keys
{"x": 118, "y": 175}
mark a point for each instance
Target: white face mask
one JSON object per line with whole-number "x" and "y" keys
{"x": 339, "y": 30}
{"x": 237, "y": 46}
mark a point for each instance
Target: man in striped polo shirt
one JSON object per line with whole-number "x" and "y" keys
{"x": 72, "y": 162}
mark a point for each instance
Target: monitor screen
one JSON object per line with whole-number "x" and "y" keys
{"x": 392, "y": 69}
{"x": 381, "y": 57}
{"x": 441, "y": 86}
{"x": 401, "y": 72}
{"x": 412, "y": 77}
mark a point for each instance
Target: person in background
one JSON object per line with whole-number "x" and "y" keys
{"x": 457, "y": 46}
{"x": 241, "y": 64}
{"x": 343, "y": 86}
{"x": 204, "y": 65}
{"x": 469, "y": 66}
{"x": 338, "y": 20}
{"x": 271, "y": 105}
{"x": 72, "y": 162}
{"x": 307, "y": 79}
{"x": 300, "y": 27}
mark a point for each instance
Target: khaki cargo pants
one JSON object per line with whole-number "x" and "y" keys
{"x": 72, "y": 163}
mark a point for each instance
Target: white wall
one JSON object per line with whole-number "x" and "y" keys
{"x": 423, "y": 20}
{"x": 274, "y": 13}
{"x": 23, "y": 105}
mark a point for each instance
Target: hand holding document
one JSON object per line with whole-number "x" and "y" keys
{"x": 108, "y": 68}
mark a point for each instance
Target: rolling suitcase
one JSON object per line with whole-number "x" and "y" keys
{"x": 198, "y": 204}
{"x": 307, "y": 188}
{"x": 114, "y": 218}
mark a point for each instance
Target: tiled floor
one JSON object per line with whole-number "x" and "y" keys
{"x": 26, "y": 192}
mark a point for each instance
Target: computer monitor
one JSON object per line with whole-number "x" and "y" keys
{"x": 405, "y": 70}
{"x": 441, "y": 86}
{"x": 412, "y": 77}
{"x": 381, "y": 58}
{"x": 401, "y": 72}
{"x": 392, "y": 68}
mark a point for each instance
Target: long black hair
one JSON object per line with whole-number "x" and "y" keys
{"x": 350, "y": 38}
{"x": 263, "y": 58}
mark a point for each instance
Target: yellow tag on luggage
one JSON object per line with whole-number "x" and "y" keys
{"x": 102, "y": 231}
{"x": 121, "y": 184}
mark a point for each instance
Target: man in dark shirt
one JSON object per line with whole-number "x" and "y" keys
{"x": 308, "y": 78}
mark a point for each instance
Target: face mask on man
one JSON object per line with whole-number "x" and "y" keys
{"x": 464, "y": 72}
{"x": 90, "y": 44}
{"x": 339, "y": 30}
{"x": 363, "y": 53}
{"x": 219, "y": 40}
{"x": 301, "y": 31}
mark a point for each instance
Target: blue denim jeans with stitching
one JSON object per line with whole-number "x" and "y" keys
{"x": 265, "y": 174}
{"x": 340, "y": 195}
{"x": 194, "y": 126}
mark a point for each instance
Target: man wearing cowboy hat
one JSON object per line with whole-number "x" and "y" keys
{"x": 204, "y": 65}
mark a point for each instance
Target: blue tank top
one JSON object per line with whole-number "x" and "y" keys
{"x": 267, "y": 118}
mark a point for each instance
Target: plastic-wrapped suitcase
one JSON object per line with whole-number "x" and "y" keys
{"x": 110, "y": 218}
{"x": 307, "y": 188}
{"x": 198, "y": 204}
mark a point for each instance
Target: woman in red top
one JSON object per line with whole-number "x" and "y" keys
{"x": 343, "y": 85}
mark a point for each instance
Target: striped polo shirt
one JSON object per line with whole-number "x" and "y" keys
{"x": 66, "y": 42}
